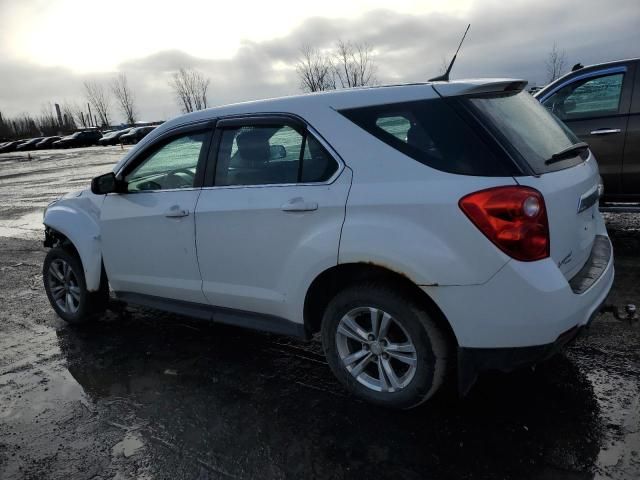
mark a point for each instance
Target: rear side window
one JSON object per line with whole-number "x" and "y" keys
{"x": 271, "y": 155}
{"x": 433, "y": 133}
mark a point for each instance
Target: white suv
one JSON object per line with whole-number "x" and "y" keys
{"x": 425, "y": 230}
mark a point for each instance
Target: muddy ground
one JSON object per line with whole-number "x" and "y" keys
{"x": 158, "y": 396}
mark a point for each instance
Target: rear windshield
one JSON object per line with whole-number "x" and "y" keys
{"x": 435, "y": 134}
{"x": 527, "y": 129}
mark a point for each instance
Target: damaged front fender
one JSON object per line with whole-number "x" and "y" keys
{"x": 76, "y": 217}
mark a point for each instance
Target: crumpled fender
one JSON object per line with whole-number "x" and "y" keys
{"x": 76, "y": 216}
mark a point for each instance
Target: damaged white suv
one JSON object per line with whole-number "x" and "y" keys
{"x": 424, "y": 230}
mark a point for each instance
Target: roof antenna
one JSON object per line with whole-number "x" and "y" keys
{"x": 445, "y": 76}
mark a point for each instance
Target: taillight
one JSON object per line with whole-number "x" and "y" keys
{"x": 514, "y": 218}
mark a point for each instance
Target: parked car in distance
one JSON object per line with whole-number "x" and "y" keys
{"x": 10, "y": 146}
{"x": 113, "y": 138}
{"x": 29, "y": 144}
{"x": 426, "y": 231}
{"x": 47, "y": 142}
{"x": 601, "y": 105}
{"x": 136, "y": 134}
{"x": 85, "y": 138}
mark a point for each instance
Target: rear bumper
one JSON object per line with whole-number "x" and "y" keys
{"x": 472, "y": 361}
{"x": 524, "y": 304}
{"x": 526, "y": 313}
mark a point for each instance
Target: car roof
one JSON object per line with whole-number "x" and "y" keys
{"x": 340, "y": 99}
{"x": 345, "y": 98}
{"x": 605, "y": 64}
{"x": 596, "y": 66}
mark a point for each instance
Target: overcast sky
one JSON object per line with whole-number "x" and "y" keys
{"x": 249, "y": 48}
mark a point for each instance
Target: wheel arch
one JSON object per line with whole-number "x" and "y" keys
{"x": 328, "y": 283}
{"x": 80, "y": 232}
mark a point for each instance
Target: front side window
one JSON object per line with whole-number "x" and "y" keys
{"x": 268, "y": 155}
{"x": 591, "y": 97}
{"x": 172, "y": 166}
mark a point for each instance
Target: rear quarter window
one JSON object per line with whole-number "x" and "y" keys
{"x": 433, "y": 133}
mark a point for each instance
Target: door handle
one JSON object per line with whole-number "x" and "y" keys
{"x": 299, "y": 205}
{"x": 605, "y": 131}
{"x": 176, "y": 212}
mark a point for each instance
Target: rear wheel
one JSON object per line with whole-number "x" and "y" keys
{"x": 66, "y": 289}
{"x": 384, "y": 347}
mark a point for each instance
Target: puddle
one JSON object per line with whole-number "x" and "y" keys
{"x": 128, "y": 446}
{"x": 27, "y": 226}
{"x": 620, "y": 410}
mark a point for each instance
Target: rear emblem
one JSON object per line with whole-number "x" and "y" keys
{"x": 566, "y": 259}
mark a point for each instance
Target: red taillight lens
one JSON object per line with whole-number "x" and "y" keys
{"x": 514, "y": 218}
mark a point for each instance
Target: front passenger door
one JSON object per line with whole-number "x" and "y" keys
{"x": 148, "y": 232}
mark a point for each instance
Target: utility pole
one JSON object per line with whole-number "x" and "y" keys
{"x": 90, "y": 116}
{"x": 59, "y": 115}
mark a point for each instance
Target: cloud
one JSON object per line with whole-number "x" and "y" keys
{"x": 506, "y": 39}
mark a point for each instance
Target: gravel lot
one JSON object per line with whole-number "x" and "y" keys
{"x": 158, "y": 396}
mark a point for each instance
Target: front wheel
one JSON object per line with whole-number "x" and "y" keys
{"x": 66, "y": 289}
{"x": 383, "y": 347}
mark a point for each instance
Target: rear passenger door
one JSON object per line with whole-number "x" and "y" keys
{"x": 269, "y": 216}
{"x": 595, "y": 106}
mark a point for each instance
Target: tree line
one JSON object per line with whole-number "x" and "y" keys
{"x": 346, "y": 64}
{"x": 189, "y": 86}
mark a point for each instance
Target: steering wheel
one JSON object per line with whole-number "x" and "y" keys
{"x": 177, "y": 181}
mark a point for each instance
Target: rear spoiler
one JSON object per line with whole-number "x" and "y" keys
{"x": 452, "y": 89}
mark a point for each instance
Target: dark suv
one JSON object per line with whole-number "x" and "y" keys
{"x": 601, "y": 104}
{"x": 85, "y": 138}
{"x": 136, "y": 134}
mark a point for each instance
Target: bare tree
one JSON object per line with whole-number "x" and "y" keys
{"x": 315, "y": 70}
{"x": 73, "y": 110}
{"x": 556, "y": 63}
{"x": 190, "y": 88}
{"x": 124, "y": 96}
{"x": 69, "y": 115}
{"x": 354, "y": 64}
{"x": 48, "y": 121}
{"x": 99, "y": 100}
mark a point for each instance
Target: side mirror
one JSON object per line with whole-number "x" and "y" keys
{"x": 277, "y": 152}
{"x": 104, "y": 184}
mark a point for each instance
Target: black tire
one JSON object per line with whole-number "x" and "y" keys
{"x": 431, "y": 355}
{"x": 89, "y": 304}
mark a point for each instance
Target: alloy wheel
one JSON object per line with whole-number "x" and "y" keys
{"x": 63, "y": 285}
{"x": 376, "y": 349}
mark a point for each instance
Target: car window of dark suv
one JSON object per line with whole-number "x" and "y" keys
{"x": 589, "y": 97}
